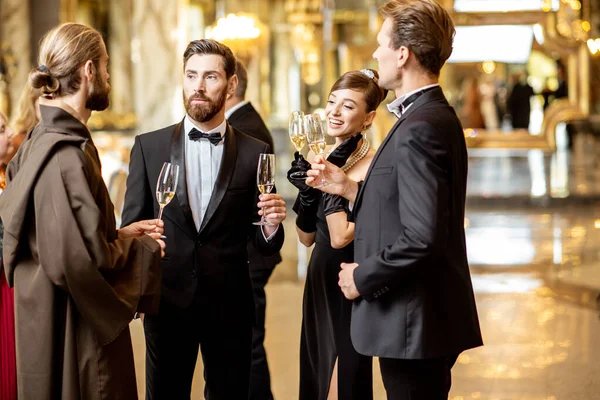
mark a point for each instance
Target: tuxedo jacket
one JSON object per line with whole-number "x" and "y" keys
{"x": 215, "y": 255}
{"x": 246, "y": 119}
{"x": 417, "y": 298}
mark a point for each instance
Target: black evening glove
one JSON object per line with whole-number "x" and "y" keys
{"x": 297, "y": 173}
{"x": 332, "y": 203}
{"x": 307, "y": 202}
{"x": 340, "y": 154}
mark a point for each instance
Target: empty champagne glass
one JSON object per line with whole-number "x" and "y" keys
{"x": 315, "y": 135}
{"x": 265, "y": 180}
{"x": 166, "y": 185}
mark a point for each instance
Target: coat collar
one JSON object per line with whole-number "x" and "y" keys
{"x": 57, "y": 120}
{"x": 224, "y": 177}
{"x": 435, "y": 94}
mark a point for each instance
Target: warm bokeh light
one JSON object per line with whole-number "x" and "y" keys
{"x": 234, "y": 27}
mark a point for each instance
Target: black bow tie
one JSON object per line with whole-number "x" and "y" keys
{"x": 413, "y": 97}
{"x": 214, "y": 138}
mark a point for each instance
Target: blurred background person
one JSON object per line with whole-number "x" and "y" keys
{"x": 489, "y": 109}
{"x": 519, "y": 101}
{"x": 8, "y": 369}
{"x": 470, "y": 113}
{"x": 242, "y": 115}
{"x": 27, "y": 117}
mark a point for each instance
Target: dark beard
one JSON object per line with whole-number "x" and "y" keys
{"x": 204, "y": 112}
{"x": 98, "y": 99}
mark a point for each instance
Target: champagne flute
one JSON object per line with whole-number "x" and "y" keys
{"x": 265, "y": 180}
{"x": 297, "y": 133}
{"x": 166, "y": 185}
{"x": 315, "y": 135}
{"x": 297, "y": 130}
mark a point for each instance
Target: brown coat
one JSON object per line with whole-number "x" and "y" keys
{"x": 77, "y": 286}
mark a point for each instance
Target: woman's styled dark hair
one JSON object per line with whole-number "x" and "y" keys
{"x": 366, "y": 81}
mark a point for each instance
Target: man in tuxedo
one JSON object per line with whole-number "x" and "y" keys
{"x": 207, "y": 296}
{"x": 243, "y": 116}
{"x": 414, "y": 306}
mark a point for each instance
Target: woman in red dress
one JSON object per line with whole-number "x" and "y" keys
{"x": 8, "y": 370}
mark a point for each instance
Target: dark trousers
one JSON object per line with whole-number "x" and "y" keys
{"x": 173, "y": 338}
{"x": 428, "y": 379}
{"x": 260, "y": 379}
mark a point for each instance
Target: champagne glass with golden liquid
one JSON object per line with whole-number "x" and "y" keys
{"x": 315, "y": 136}
{"x": 166, "y": 185}
{"x": 297, "y": 130}
{"x": 265, "y": 180}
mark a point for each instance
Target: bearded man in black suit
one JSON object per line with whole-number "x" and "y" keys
{"x": 206, "y": 298}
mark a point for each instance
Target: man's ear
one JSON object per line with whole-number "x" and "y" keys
{"x": 89, "y": 69}
{"x": 403, "y": 53}
{"x": 233, "y": 82}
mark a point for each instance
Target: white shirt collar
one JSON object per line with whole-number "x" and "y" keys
{"x": 235, "y": 108}
{"x": 188, "y": 125}
{"x": 394, "y": 106}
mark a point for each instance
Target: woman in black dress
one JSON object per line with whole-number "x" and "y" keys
{"x": 330, "y": 368}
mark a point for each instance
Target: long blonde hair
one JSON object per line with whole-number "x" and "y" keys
{"x": 27, "y": 110}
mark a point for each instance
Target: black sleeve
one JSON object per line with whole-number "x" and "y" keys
{"x": 138, "y": 204}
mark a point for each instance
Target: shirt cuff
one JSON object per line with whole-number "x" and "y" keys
{"x": 268, "y": 239}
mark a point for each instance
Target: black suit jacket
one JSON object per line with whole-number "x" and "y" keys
{"x": 416, "y": 294}
{"x": 214, "y": 257}
{"x": 247, "y": 120}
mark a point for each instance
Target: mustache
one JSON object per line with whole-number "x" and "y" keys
{"x": 198, "y": 97}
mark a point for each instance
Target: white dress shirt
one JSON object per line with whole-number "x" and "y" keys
{"x": 235, "y": 108}
{"x": 202, "y": 164}
{"x": 395, "y": 106}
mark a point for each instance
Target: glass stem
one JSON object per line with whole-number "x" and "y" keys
{"x": 160, "y": 211}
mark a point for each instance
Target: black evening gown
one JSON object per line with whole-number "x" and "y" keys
{"x": 326, "y": 327}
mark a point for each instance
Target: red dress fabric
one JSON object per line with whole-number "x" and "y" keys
{"x": 8, "y": 369}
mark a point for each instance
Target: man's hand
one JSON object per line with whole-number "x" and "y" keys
{"x": 337, "y": 182}
{"x": 158, "y": 237}
{"x": 137, "y": 229}
{"x": 346, "y": 281}
{"x": 274, "y": 208}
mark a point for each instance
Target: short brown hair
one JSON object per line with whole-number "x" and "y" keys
{"x": 424, "y": 27}
{"x": 242, "y": 75}
{"x": 210, "y": 46}
{"x": 63, "y": 51}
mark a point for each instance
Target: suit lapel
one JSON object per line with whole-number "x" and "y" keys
{"x": 224, "y": 178}
{"x": 434, "y": 94}
{"x": 178, "y": 158}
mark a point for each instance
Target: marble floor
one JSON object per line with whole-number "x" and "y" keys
{"x": 536, "y": 273}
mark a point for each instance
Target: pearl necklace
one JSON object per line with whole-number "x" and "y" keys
{"x": 357, "y": 155}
